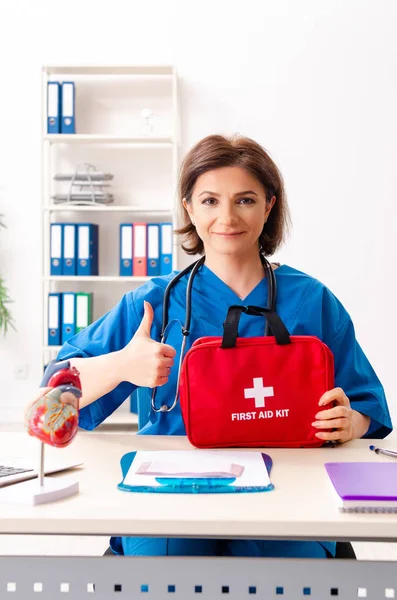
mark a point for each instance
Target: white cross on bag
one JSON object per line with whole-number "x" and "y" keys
{"x": 259, "y": 392}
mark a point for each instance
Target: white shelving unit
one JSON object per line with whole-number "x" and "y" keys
{"x": 65, "y": 138}
{"x": 109, "y": 134}
{"x": 95, "y": 278}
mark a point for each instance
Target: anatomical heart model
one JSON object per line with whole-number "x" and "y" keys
{"x": 54, "y": 417}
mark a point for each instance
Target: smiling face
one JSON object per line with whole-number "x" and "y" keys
{"x": 229, "y": 209}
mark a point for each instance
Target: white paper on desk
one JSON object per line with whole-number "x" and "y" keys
{"x": 254, "y": 473}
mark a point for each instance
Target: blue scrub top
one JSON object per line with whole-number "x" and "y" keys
{"x": 306, "y": 306}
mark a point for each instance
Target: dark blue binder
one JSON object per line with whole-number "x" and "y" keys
{"x": 56, "y": 248}
{"x": 54, "y": 107}
{"x": 69, "y": 260}
{"x": 68, "y": 124}
{"x": 153, "y": 249}
{"x": 54, "y": 319}
{"x": 126, "y": 231}
{"x": 68, "y": 316}
{"x": 166, "y": 248}
{"x": 88, "y": 254}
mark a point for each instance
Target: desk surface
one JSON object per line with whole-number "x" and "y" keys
{"x": 302, "y": 505}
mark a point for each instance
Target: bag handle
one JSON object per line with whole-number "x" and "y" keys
{"x": 230, "y": 326}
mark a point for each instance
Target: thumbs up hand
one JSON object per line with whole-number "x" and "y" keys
{"x": 145, "y": 362}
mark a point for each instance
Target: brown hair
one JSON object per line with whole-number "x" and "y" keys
{"x": 215, "y": 151}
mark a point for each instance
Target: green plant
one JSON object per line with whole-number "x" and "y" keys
{"x": 6, "y": 320}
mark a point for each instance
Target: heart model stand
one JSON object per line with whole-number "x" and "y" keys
{"x": 42, "y": 489}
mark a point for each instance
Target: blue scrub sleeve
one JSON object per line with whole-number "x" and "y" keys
{"x": 355, "y": 375}
{"x": 110, "y": 333}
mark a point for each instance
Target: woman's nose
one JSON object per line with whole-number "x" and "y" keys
{"x": 227, "y": 215}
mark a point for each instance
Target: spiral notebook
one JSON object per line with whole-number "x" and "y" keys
{"x": 364, "y": 486}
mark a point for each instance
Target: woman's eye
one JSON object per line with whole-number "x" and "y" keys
{"x": 247, "y": 200}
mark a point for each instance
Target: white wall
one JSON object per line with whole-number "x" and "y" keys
{"x": 314, "y": 82}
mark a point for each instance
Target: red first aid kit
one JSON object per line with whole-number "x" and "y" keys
{"x": 259, "y": 391}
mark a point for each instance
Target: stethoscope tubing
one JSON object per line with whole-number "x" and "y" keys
{"x": 272, "y": 292}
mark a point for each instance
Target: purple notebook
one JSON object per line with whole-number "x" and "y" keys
{"x": 365, "y": 486}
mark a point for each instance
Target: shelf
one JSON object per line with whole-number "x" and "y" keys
{"x": 110, "y": 208}
{"x": 109, "y": 70}
{"x": 141, "y": 142}
{"x": 109, "y": 100}
{"x": 95, "y": 278}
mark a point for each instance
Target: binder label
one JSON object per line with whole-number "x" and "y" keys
{"x": 67, "y": 99}
{"x": 56, "y": 237}
{"x": 82, "y": 311}
{"x": 167, "y": 239}
{"x": 53, "y": 312}
{"x": 84, "y": 242}
{"x": 153, "y": 242}
{"x": 68, "y": 308}
{"x": 126, "y": 242}
{"x": 140, "y": 239}
{"x": 53, "y": 100}
{"x": 69, "y": 233}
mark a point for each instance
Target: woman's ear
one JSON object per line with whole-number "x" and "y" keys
{"x": 188, "y": 209}
{"x": 269, "y": 206}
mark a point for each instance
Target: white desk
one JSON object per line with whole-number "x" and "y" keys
{"x": 302, "y": 505}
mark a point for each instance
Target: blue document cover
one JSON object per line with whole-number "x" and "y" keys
{"x": 69, "y": 260}
{"x": 56, "y": 248}
{"x": 87, "y": 249}
{"x": 192, "y": 485}
{"x": 68, "y": 316}
{"x": 153, "y": 249}
{"x": 54, "y": 110}
{"x": 68, "y": 121}
{"x": 54, "y": 319}
{"x": 165, "y": 248}
{"x": 126, "y": 230}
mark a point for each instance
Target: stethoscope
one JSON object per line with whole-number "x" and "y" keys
{"x": 194, "y": 267}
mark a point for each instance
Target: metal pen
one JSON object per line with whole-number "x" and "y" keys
{"x": 383, "y": 451}
{"x": 41, "y": 464}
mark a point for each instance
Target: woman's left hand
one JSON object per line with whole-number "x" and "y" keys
{"x": 347, "y": 423}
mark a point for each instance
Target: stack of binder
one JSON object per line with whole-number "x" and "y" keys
{"x": 86, "y": 186}
{"x": 61, "y": 107}
{"x": 68, "y": 313}
{"x": 145, "y": 249}
{"x": 74, "y": 249}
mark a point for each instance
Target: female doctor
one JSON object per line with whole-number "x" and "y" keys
{"x": 234, "y": 207}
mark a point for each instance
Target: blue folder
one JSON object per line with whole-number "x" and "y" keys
{"x": 88, "y": 254}
{"x": 165, "y": 248}
{"x": 56, "y": 248}
{"x": 54, "y": 107}
{"x": 153, "y": 249}
{"x": 126, "y": 230}
{"x": 54, "y": 319}
{"x": 68, "y": 123}
{"x": 68, "y": 316}
{"x": 190, "y": 485}
{"x": 69, "y": 258}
